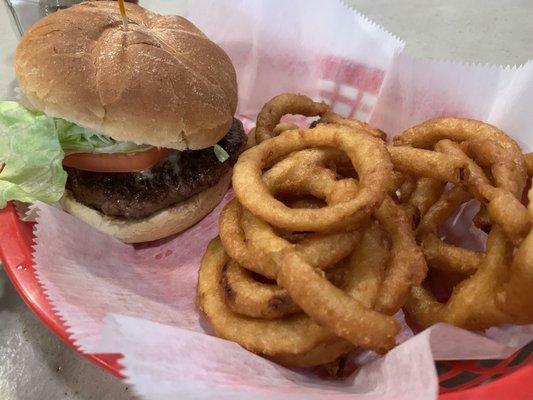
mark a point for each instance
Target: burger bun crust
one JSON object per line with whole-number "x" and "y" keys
{"x": 162, "y": 82}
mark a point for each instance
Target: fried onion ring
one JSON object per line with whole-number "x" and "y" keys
{"x": 529, "y": 164}
{"x": 442, "y": 255}
{"x": 441, "y": 210}
{"x": 269, "y": 337}
{"x": 330, "y": 117}
{"x": 516, "y": 294}
{"x": 374, "y": 178}
{"x": 407, "y": 266}
{"x": 406, "y": 189}
{"x": 288, "y": 340}
{"x": 232, "y": 237}
{"x": 341, "y": 229}
{"x": 286, "y": 103}
{"x": 448, "y": 258}
{"x": 247, "y": 296}
{"x": 427, "y": 134}
{"x": 503, "y": 206}
{"x": 489, "y": 154}
{"x": 367, "y": 263}
{"x": 472, "y": 304}
{"x": 333, "y": 308}
{"x": 426, "y": 163}
{"x": 499, "y": 289}
{"x": 268, "y": 247}
{"x": 320, "y": 251}
{"x": 425, "y": 193}
{"x": 406, "y": 269}
{"x": 326, "y": 352}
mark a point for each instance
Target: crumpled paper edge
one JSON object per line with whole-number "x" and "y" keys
{"x": 469, "y": 64}
{"x": 24, "y": 211}
{"x": 28, "y": 212}
{"x": 351, "y": 8}
{"x": 47, "y": 286}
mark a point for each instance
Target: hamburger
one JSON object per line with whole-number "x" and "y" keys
{"x": 144, "y": 118}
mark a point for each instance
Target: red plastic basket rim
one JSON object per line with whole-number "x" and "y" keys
{"x": 16, "y": 238}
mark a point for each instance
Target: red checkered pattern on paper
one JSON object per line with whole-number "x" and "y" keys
{"x": 350, "y": 88}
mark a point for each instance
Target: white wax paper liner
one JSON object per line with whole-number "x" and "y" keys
{"x": 95, "y": 275}
{"x": 417, "y": 89}
{"x": 158, "y": 284}
{"x": 327, "y": 51}
{"x": 200, "y": 367}
{"x": 321, "y": 48}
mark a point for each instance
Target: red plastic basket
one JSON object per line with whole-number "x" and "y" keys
{"x": 350, "y": 89}
{"x": 511, "y": 378}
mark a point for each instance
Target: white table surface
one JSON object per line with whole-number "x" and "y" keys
{"x": 34, "y": 364}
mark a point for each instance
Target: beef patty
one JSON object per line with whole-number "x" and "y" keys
{"x": 179, "y": 176}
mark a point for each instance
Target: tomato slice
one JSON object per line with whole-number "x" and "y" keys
{"x": 116, "y": 162}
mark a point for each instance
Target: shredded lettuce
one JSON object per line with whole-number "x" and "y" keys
{"x": 32, "y": 148}
{"x": 78, "y": 139}
{"x": 221, "y": 154}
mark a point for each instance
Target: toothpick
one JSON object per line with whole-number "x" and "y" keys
{"x": 123, "y": 14}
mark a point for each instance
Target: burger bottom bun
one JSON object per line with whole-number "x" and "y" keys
{"x": 156, "y": 226}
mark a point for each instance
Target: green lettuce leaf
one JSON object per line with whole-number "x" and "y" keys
{"x": 78, "y": 139}
{"x": 221, "y": 154}
{"x": 32, "y": 147}
{"x": 32, "y": 154}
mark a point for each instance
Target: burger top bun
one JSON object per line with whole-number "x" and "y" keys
{"x": 162, "y": 82}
